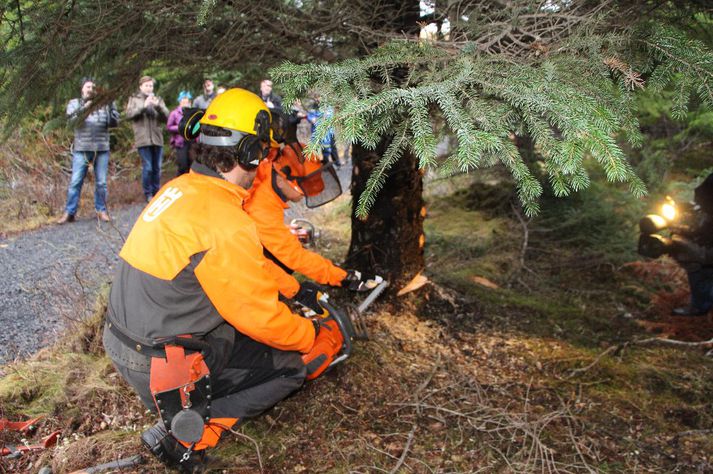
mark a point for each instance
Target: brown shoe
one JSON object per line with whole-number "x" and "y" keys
{"x": 103, "y": 216}
{"x": 66, "y": 218}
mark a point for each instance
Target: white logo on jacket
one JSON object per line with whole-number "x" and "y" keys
{"x": 161, "y": 203}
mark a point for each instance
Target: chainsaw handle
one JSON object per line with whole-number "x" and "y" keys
{"x": 344, "y": 325}
{"x": 346, "y": 335}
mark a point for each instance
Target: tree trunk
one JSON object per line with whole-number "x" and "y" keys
{"x": 389, "y": 242}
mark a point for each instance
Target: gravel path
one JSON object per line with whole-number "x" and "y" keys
{"x": 50, "y": 277}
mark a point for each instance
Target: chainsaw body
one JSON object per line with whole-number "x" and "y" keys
{"x": 306, "y": 232}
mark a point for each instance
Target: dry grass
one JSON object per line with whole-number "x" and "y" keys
{"x": 35, "y": 166}
{"x": 474, "y": 379}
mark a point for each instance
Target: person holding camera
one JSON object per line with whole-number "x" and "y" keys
{"x": 692, "y": 248}
{"x": 147, "y": 111}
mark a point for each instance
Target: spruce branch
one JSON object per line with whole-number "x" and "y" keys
{"x": 378, "y": 175}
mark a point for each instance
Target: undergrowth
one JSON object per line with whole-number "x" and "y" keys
{"x": 35, "y": 168}
{"x": 495, "y": 366}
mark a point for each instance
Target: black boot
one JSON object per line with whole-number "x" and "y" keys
{"x": 170, "y": 452}
{"x": 688, "y": 311}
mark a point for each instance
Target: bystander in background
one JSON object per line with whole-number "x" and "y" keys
{"x": 328, "y": 142}
{"x": 298, "y": 120}
{"x": 272, "y": 100}
{"x": 180, "y": 146}
{"x": 91, "y": 145}
{"x": 147, "y": 111}
{"x": 204, "y": 100}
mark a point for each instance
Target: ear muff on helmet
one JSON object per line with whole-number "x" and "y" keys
{"x": 279, "y": 126}
{"x": 251, "y": 150}
{"x": 189, "y": 127}
{"x": 262, "y": 126}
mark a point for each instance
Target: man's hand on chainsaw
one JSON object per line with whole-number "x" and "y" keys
{"x": 308, "y": 296}
{"x": 327, "y": 346}
{"x": 355, "y": 281}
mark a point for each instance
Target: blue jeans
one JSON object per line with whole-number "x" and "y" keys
{"x": 151, "y": 160}
{"x": 701, "y": 282}
{"x": 80, "y": 163}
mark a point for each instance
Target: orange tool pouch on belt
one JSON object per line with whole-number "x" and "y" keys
{"x": 180, "y": 386}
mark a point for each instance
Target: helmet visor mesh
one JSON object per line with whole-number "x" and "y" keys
{"x": 320, "y": 186}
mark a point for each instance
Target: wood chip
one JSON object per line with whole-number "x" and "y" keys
{"x": 484, "y": 282}
{"x": 418, "y": 281}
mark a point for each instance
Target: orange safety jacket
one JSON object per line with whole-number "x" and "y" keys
{"x": 267, "y": 209}
{"x": 193, "y": 260}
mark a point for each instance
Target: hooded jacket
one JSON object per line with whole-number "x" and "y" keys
{"x": 174, "y": 119}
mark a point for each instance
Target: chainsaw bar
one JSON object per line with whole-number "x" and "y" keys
{"x": 361, "y": 332}
{"x": 356, "y": 313}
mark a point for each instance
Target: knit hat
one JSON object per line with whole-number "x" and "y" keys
{"x": 184, "y": 95}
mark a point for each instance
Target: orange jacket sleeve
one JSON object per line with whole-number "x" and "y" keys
{"x": 267, "y": 211}
{"x": 277, "y": 238}
{"x": 286, "y": 283}
{"x": 246, "y": 295}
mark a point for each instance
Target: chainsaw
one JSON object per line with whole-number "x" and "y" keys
{"x": 306, "y": 232}
{"x": 350, "y": 321}
{"x": 25, "y": 427}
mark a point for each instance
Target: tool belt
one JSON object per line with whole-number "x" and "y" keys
{"x": 179, "y": 381}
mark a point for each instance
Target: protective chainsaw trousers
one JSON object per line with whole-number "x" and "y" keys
{"x": 254, "y": 378}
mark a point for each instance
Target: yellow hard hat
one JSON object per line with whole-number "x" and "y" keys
{"x": 241, "y": 111}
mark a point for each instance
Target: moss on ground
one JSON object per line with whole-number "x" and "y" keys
{"x": 457, "y": 377}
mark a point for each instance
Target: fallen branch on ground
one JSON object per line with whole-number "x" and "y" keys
{"x": 683, "y": 434}
{"x": 414, "y": 426}
{"x": 255, "y": 443}
{"x": 639, "y": 342}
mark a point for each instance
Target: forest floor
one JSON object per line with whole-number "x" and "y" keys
{"x": 523, "y": 353}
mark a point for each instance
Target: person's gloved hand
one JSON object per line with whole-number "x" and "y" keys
{"x": 308, "y": 296}
{"x": 356, "y": 282}
{"x": 327, "y": 345}
{"x": 685, "y": 251}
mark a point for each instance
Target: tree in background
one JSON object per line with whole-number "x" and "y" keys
{"x": 47, "y": 45}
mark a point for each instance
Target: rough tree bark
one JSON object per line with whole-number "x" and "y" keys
{"x": 390, "y": 241}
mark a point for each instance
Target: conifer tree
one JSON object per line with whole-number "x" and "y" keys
{"x": 559, "y": 74}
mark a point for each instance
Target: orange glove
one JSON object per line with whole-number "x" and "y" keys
{"x": 327, "y": 345}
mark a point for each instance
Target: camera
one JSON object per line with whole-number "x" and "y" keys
{"x": 680, "y": 219}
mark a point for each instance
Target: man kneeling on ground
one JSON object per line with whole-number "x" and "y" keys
{"x": 194, "y": 323}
